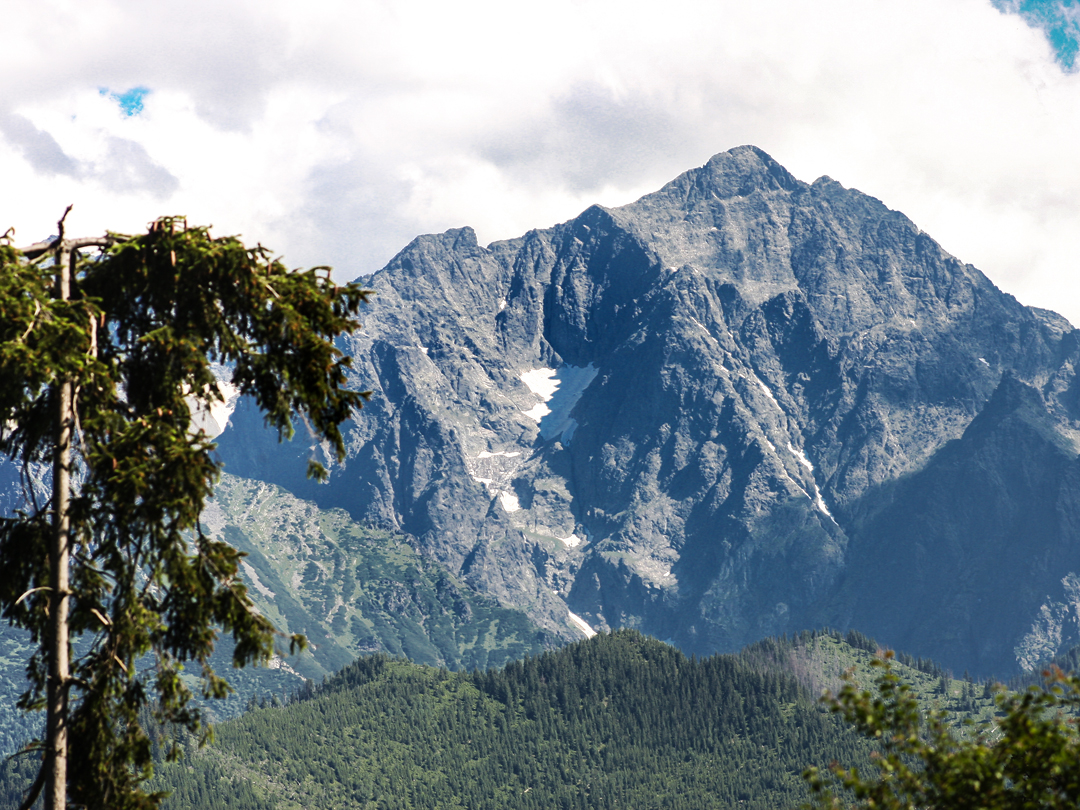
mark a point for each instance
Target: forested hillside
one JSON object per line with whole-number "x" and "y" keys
{"x": 620, "y": 720}
{"x": 617, "y": 721}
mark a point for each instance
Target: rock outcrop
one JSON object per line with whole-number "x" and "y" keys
{"x": 742, "y": 405}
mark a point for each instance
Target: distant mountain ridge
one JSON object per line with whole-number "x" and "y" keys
{"x": 740, "y": 406}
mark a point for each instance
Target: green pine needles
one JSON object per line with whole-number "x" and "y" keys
{"x": 1027, "y": 758}
{"x": 104, "y": 361}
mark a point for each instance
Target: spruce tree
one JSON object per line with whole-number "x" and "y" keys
{"x": 105, "y": 361}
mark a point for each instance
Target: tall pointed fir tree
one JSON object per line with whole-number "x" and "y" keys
{"x": 106, "y": 353}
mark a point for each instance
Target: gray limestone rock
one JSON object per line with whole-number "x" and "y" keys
{"x": 741, "y": 405}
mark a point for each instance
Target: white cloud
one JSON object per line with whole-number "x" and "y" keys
{"x": 336, "y": 131}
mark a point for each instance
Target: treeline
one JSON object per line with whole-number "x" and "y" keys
{"x": 854, "y": 639}
{"x": 618, "y": 721}
{"x": 804, "y": 656}
{"x": 819, "y": 666}
{"x": 1068, "y": 661}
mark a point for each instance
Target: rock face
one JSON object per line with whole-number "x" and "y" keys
{"x": 742, "y": 405}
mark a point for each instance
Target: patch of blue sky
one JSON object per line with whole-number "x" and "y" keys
{"x": 1059, "y": 20}
{"x": 130, "y": 101}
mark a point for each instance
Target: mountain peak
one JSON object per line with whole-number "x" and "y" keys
{"x": 739, "y": 171}
{"x": 756, "y": 366}
{"x": 731, "y": 175}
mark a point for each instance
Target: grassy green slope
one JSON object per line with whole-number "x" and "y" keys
{"x": 15, "y": 727}
{"x": 819, "y": 659}
{"x": 351, "y": 589}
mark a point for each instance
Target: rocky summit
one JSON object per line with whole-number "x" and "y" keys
{"x": 743, "y": 405}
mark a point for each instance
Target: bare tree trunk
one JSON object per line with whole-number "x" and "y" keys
{"x": 59, "y": 665}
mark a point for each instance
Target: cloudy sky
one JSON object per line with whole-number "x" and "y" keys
{"x": 336, "y": 130}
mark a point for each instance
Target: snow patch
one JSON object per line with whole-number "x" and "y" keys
{"x": 983, "y": 361}
{"x": 819, "y": 502}
{"x": 492, "y": 469}
{"x": 699, "y": 323}
{"x": 559, "y": 391}
{"x": 801, "y": 457}
{"x": 424, "y": 349}
{"x": 537, "y": 412}
{"x": 502, "y": 304}
{"x": 253, "y": 578}
{"x": 573, "y": 541}
{"x": 214, "y": 418}
{"x": 566, "y": 387}
{"x": 767, "y": 391}
{"x": 541, "y": 381}
{"x": 509, "y": 501}
{"x": 581, "y": 624}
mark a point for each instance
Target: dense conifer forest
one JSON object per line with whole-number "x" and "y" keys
{"x": 618, "y": 721}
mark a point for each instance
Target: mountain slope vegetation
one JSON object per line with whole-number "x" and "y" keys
{"x": 617, "y": 721}
{"x": 620, "y": 720}
{"x": 350, "y": 588}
